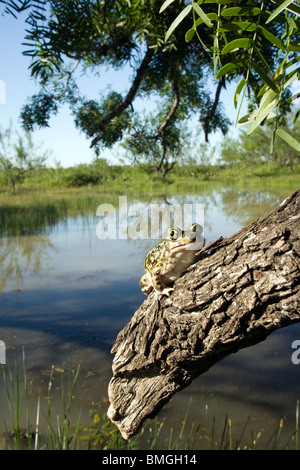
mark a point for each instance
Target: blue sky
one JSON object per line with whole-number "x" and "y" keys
{"x": 66, "y": 144}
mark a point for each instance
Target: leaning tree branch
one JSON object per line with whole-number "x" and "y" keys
{"x": 241, "y": 289}
{"x": 175, "y": 104}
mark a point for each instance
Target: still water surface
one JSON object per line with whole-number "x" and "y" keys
{"x": 65, "y": 294}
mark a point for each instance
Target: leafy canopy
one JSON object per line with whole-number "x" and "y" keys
{"x": 255, "y": 41}
{"x": 93, "y": 35}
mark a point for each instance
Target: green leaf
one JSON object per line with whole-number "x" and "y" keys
{"x": 293, "y": 23}
{"x": 273, "y": 39}
{"x": 236, "y": 25}
{"x": 294, "y": 9}
{"x": 279, "y": 10}
{"x": 230, "y": 67}
{"x": 177, "y": 21}
{"x": 293, "y": 98}
{"x": 211, "y": 16}
{"x": 292, "y": 62}
{"x": 265, "y": 78}
{"x": 293, "y": 47}
{"x": 241, "y": 11}
{"x": 245, "y": 119}
{"x": 165, "y": 5}
{"x": 267, "y": 98}
{"x": 288, "y": 139}
{"x": 291, "y": 77}
{"x": 258, "y": 52}
{"x": 190, "y": 34}
{"x": 242, "y": 43}
{"x": 238, "y": 91}
{"x": 202, "y": 15}
{"x": 298, "y": 112}
{"x": 261, "y": 115}
{"x": 245, "y": 25}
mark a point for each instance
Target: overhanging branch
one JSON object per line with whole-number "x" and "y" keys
{"x": 175, "y": 104}
{"x": 210, "y": 115}
{"x": 99, "y": 129}
{"x": 242, "y": 288}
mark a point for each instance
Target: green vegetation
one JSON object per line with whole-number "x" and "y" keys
{"x": 48, "y": 195}
{"x": 171, "y": 65}
{"x": 174, "y": 50}
{"x": 255, "y": 43}
{"x": 42, "y": 428}
{"x": 254, "y": 149}
{"x": 17, "y": 159}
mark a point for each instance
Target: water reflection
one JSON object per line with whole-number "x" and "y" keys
{"x": 23, "y": 256}
{"x": 66, "y": 295}
{"x": 244, "y": 207}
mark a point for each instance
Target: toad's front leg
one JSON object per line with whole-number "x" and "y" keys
{"x": 158, "y": 285}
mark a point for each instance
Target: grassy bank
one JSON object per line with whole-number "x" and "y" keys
{"x": 134, "y": 179}
{"x": 47, "y": 196}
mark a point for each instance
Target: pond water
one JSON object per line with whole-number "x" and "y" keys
{"x": 65, "y": 294}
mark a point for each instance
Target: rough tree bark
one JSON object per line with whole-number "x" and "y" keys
{"x": 242, "y": 288}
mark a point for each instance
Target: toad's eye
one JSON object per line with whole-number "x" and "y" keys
{"x": 196, "y": 228}
{"x": 174, "y": 233}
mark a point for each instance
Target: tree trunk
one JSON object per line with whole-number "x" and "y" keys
{"x": 240, "y": 290}
{"x": 13, "y": 185}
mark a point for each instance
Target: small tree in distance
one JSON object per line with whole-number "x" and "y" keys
{"x": 19, "y": 157}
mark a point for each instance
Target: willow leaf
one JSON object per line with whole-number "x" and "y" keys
{"x": 223, "y": 2}
{"x": 242, "y": 43}
{"x": 241, "y": 11}
{"x": 273, "y": 39}
{"x": 177, "y": 21}
{"x": 265, "y": 78}
{"x": 292, "y": 61}
{"x": 278, "y": 10}
{"x": 202, "y": 15}
{"x": 293, "y": 47}
{"x": 236, "y": 25}
{"x": 291, "y": 77}
{"x": 297, "y": 113}
{"x": 211, "y": 16}
{"x": 261, "y": 115}
{"x": 238, "y": 90}
{"x": 288, "y": 139}
{"x": 294, "y": 97}
{"x": 289, "y": 7}
{"x": 230, "y": 67}
{"x": 246, "y": 119}
{"x": 267, "y": 98}
{"x": 190, "y": 34}
{"x": 165, "y": 5}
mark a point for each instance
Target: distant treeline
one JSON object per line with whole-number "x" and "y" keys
{"x": 100, "y": 173}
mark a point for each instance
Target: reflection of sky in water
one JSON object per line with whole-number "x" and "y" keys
{"x": 72, "y": 293}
